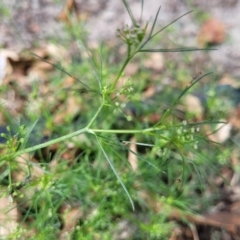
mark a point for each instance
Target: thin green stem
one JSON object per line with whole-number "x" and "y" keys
{"x": 129, "y": 51}
{"x": 86, "y": 129}
{"x": 51, "y": 142}
{"x": 124, "y": 131}
{"x": 60, "y": 139}
{"x": 115, "y": 172}
{"x": 9, "y": 175}
{"x": 96, "y": 114}
{"x": 121, "y": 71}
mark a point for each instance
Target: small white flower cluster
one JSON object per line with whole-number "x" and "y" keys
{"x": 119, "y": 108}
{"x": 186, "y": 135}
{"x": 127, "y": 90}
{"x": 120, "y": 105}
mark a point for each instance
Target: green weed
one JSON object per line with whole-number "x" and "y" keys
{"x": 99, "y": 181}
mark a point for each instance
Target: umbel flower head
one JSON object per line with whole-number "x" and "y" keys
{"x": 132, "y": 36}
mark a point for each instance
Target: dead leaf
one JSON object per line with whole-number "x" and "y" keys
{"x": 12, "y": 102}
{"x": 149, "y": 198}
{"x": 234, "y": 117}
{"x": 69, "y": 109}
{"x": 42, "y": 66}
{"x": 20, "y": 176}
{"x": 58, "y": 54}
{"x": 131, "y": 69}
{"x": 155, "y": 62}
{"x": 34, "y": 27}
{"x": 225, "y": 175}
{"x": 235, "y": 207}
{"x": 149, "y": 92}
{"x": 212, "y": 32}
{"x": 223, "y": 132}
{"x": 22, "y": 170}
{"x": 228, "y": 80}
{"x": 193, "y": 105}
{"x": 9, "y": 216}
{"x": 68, "y": 82}
{"x": 10, "y": 54}
{"x": 70, "y": 6}
{"x": 151, "y": 118}
{"x": 176, "y": 233}
{"x": 132, "y": 158}
{"x": 70, "y": 215}
{"x": 5, "y": 66}
{"x": 226, "y": 220}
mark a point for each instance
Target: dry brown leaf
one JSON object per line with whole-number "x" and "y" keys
{"x": 35, "y": 75}
{"x": 22, "y": 171}
{"x": 212, "y": 32}
{"x": 20, "y": 176}
{"x": 28, "y": 67}
{"x": 69, "y": 155}
{"x": 58, "y": 53}
{"x": 34, "y": 27}
{"x": 234, "y": 117}
{"x": 131, "y": 69}
{"x": 176, "y": 233}
{"x": 149, "y": 92}
{"x": 10, "y": 54}
{"x": 42, "y": 66}
{"x": 12, "y": 102}
{"x": 223, "y": 132}
{"x": 70, "y": 108}
{"x": 225, "y": 175}
{"x": 132, "y": 158}
{"x": 70, "y": 215}
{"x": 155, "y": 62}
{"x": 226, "y": 220}
{"x": 20, "y": 67}
{"x": 150, "y": 199}
{"x": 5, "y": 66}
{"x": 235, "y": 207}
{"x": 228, "y": 80}
{"x": 193, "y": 105}
{"x": 68, "y": 82}
{"x": 151, "y": 118}
{"x": 194, "y": 231}
{"x": 70, "y": 6}
{"x": 9, "y": 216}
{"x": 40, "y": 52}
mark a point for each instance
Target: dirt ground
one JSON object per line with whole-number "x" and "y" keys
{"x": 33, "y": 22}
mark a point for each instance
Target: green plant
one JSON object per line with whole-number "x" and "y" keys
{"x": 167, "y": 148}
